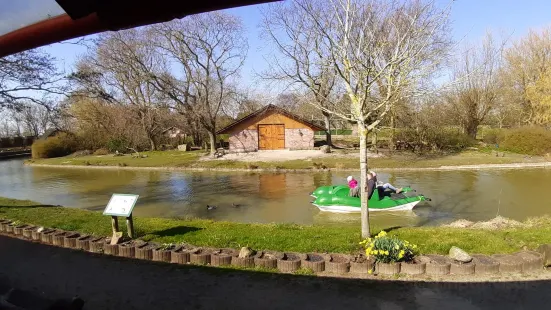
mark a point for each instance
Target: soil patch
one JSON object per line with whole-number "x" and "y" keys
{"x": 314, "y": 258}
{"x": 291, "y": 257}
{"x": 337, "y": 258}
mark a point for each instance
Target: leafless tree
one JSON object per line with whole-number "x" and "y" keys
{"x": 382, "y": 52}
{"x": 28, "y": 76}
{"x": 525, "y": 73}
{"x": 120, "y": 70}
{"x": 475, "y": 91}
{"x": 35, "y": 118}
{"x": 304, "y": 59}
{"x": 209, "y": 50}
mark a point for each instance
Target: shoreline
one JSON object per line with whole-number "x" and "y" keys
{"x": 511, "y": 166}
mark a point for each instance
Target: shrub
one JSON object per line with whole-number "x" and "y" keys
{"x": 387, "y": 249}
{"x": 115, "y": 145}
{"x": 491, "y": 136}
{"x": 435, "y": 138}
{"x": 59, "y": 145}
{"x": 102, "y": 151}
{"x": 526, "y": 140}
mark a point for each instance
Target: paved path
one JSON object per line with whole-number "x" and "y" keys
{"x": 112, "y": 283}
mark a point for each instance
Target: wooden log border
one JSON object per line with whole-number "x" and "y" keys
{"x": 522, "y": 261}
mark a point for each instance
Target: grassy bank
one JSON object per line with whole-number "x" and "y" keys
{"x": 340, "y": 160}
{"x": 282, "y": 237}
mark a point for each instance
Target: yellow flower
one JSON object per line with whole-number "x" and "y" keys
{"x": 396, "y": 247}
{"x": 381, "y": 234}
{"x": 386, "y": 252}
{"x": 374, "y": 252}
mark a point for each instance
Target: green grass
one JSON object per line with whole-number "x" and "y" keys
{"x": 340, "y": 160}
{"x": 280, "y": 237}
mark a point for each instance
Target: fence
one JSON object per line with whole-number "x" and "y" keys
{"x": 9, "y": 142}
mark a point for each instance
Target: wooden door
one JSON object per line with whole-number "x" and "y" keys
{"x": 271, "y": 137}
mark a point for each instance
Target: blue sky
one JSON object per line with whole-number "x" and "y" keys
{"x": 470, "y": 21}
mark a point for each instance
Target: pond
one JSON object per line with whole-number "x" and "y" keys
{"x": 280, "y": 197}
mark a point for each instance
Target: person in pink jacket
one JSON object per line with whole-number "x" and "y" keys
{"x": 354, "y": 188}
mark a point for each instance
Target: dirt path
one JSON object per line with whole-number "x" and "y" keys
{"x": 285, "y": 155}
{"x": 111, "y": 283}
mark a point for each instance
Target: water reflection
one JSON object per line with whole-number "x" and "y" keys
{"x": 278, "y": 197}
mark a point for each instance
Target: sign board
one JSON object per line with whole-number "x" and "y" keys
{"x": 121, "y": 205}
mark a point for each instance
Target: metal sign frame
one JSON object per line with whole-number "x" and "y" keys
{"x": 127, "y": 213}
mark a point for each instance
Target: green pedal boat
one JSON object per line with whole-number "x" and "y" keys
{"x": 336, "y": 199}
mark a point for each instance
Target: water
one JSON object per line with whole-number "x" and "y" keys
{"x": 281, "y": 198}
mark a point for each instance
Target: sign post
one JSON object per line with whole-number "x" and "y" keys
{"x": 121, "y": 205}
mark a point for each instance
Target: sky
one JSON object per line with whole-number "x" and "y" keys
{"x": 470, "y": 21}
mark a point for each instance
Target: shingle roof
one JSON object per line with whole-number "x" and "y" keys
{"x": 269, "y": 108}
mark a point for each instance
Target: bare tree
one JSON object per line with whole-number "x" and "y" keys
{"x": 382, "y": 52}
{"x": 305, "y": 61}
{"x": 476, "y": 87}
{"x": 28, "y": 76}
{"x": 527, "y": 64}
{"x": 209, "y": 49}
{"x": 120, "y": 70}
{"x": 35, "y": 118}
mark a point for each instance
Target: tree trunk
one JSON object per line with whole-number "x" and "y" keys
{"x": 362, "y": 130}
{"x": 328, "y": 129}
{"x": 392, "y": 131}
{"x": 212, "y": 138}
{"x": 153, "y": 143}
{"x": 374, "y": 140}
{"x": 471, "y": 129}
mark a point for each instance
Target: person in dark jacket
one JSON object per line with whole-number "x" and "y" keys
{"x": 371, "y": 184}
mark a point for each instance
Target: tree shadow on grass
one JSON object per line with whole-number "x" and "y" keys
{"x": 175, "y": 231}
{"x": 29, "y": 206}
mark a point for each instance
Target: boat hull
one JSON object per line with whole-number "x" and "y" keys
{"x": 351, "y": 209}
{"x": 337, "y": 199}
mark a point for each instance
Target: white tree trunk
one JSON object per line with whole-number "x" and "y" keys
{"x": 362, "y": 130}
{"x": 212, "y": 138}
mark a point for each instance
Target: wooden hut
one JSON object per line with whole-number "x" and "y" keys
{"x": 270, "y": 128}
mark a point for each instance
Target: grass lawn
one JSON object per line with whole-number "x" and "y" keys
{"x": 340, "y": 160}
{"x": 281, "y": 237}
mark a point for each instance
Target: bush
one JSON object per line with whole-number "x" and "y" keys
{"x": 387, "y": 249}
{"x": 117, "y": 145}
{"x": 102, "y": 151}
{"x": 434, "y": 138}
{"x": 526, "y": 140}
{"x": 59, "y": 145}
{"x": 491, "y": 136}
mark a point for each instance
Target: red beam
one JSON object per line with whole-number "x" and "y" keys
{"x": 49, "y": 31}
{"x": 110, "y": 15}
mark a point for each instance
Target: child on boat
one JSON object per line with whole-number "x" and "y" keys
{"x": 354, "y": 188}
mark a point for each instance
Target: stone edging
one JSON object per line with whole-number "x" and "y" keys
{"x": 338, "y": 264}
